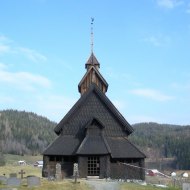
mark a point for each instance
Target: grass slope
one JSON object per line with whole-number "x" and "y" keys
{"x": 13, "y": 159}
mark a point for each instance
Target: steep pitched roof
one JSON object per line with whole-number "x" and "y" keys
{"x": 94, "y": 145}
{"x": 92, "y": 61}
{"x": 94, "y": 103}
{"x": 121, "y": 147}
{"x": 118, "y": 147}
{"x": 94, "y": 142}
{"x": 63, "y": 145}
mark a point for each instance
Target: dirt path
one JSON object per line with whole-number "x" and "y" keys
{"x": 103, "y": 185}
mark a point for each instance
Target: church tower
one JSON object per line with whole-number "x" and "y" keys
{"x": 92, "y": 74}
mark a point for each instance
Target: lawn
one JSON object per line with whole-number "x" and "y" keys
{"x": 13, "y": 159}
{"x": 13, "y": 167}
{"x": 55, "y": 185}
{"x": 45, "y": 184}
{"x": 28, "y": 169}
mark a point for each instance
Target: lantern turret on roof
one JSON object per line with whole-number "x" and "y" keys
{"x": 92, "y": 76}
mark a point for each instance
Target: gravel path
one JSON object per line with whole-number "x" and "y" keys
{"x": 103, "y": 185}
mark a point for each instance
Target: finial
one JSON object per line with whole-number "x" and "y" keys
{"x": 92, "y": 35}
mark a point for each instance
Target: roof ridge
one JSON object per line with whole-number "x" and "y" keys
{"x": 105, "y": 101}
{"x": 92, "y": 60}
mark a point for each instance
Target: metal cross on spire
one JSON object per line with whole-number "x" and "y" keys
{"x": 92, "y": 35}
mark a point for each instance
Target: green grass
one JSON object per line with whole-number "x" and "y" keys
{"x": 55, "y": 185}
{"x": 45, "y": 184}
{"x": 13, "y": 159}
{"x": 28, "y": 169}
{"x": 13, "y": 167}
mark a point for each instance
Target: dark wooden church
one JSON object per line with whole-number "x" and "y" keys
{"x": 94, "y": 134}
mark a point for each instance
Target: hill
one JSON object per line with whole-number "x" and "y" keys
{"x": 24, "y": 132}
{"x": 159, "y": 141}
{"x": 27, "y": 133}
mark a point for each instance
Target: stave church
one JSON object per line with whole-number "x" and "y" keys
{"x": 94, "y": 134}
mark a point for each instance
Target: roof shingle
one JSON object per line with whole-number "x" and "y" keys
{"x": 94, "y": 104}
{"x": 121, "y": 147}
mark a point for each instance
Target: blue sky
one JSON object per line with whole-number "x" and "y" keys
{"x": 143, "y": 47}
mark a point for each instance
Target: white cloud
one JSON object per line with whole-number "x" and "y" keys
{"x": 158, "y": 41}
{"x": 4, "y": 45}
{"x": 142, "y": 118}
{"x": 32, "y": 54}
{"x": 6, "y": 100}
{"x": 169, "y": 4}
{"x": 185, "y": 86}
{"x": 2, "y": 66}
{"x": 188, "y": 9}
{"x": 23, "y": 80}
{"x": 4, "y": 48}
{"x": 4, "y": 39}
{"x": 153, "y": 40}
{"x": 54, "y": 106}
{"x": 120, "y": 105}
{"x": 8, "y": 46}
{"x": 152, "y": 94}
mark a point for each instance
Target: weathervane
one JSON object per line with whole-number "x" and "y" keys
{"x": 92, "y": 35}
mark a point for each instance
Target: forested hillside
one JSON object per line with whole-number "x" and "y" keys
{"x": 24, "y": 132}
{"x": 164, "y": 141}
{"x": 27, "y": 133}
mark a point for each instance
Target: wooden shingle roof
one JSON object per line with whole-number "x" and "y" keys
{"x": 94, "y": 145}
{"x": 118, "y": 147}
{"x": 63, "y": 145}
{"x": 121, "y": 147}
{"x": 94, "y": 104}
{"x": 92, "y": 61}
{"x": 94, "y": 141}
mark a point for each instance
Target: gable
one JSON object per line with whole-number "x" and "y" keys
{"x": 92, "y": 76}
{"x": 94, "y": 142}
{"x": 94, "y": 104}
{"x": 92, "y": 61}
{"x": 94, "y": 123}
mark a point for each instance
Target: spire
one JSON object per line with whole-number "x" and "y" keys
{"x": 92, "y": 35}
{"x": 92, "y": 61}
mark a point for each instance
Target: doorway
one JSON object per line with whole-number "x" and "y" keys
{"x": 93, "y": 166}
